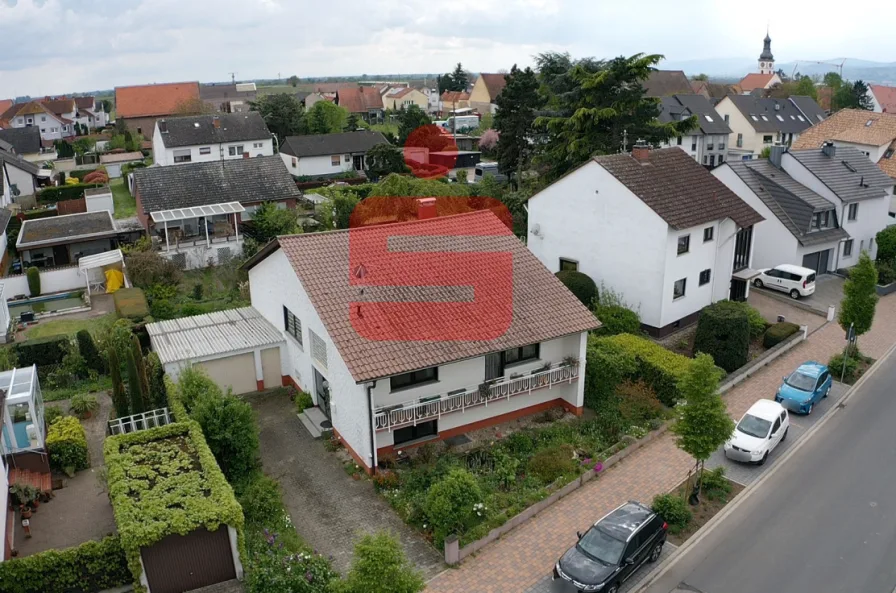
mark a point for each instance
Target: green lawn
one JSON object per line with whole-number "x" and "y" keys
{"x": 385, "y": 128}
{"x": 125, "y": 204}
{"x": 284, "y": 88}
{"x": 66, "y": 326}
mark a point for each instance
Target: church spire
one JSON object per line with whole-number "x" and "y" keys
{"x": 766, "y": 59}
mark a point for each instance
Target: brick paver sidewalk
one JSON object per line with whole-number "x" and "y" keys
{"x": 527, "y": 554}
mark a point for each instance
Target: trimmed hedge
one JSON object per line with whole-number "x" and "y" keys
{"x": 42, "y": 351}
{"x": 92, "y": 566}
{"x": 723, "y": 332}
{"x": 617, "y": 319}
{"x": 659, "y": 368}
{"x": 580, "y": 285}
{"x": 51, "y": 195}
{"x": 131, "y": 303}
{"x": 67, "y": 445}
{"x": 779, "y": 332}
{"x": 609, "y": 364}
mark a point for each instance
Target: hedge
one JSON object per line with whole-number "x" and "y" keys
{"x": 42, "y": 351}
{"x": 36, "y": 214}
{"x": 580, "y": 285}
{"x": 723, "y": 332}
{"x": 81, "y": 174}
{"x": 67, "y": 445}
{"x": 608, "y": 365}
{"x": 131, "y": 303}
{"x": 661, "y": 369}
{"x": 32, "y": 275}
{"x": 779, "y": 332}
{"x": 51, "y": 195}
{"x": 92, "y": 566}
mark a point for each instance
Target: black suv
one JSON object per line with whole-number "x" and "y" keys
{"x": 612, "y": 550}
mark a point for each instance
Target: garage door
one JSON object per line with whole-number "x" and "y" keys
{"x": 185, "y": 562}
{"x": 817, "y": 261}
{"x": 270, "y": 367}
{"x": 236, "y": 372}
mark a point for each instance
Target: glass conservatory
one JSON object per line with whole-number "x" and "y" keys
{"x": 23, "y": 411}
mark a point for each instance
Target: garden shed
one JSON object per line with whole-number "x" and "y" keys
{"x": 104, "y": 272}
{"x": 238, "y": 348}
{"x": 179, "y": 521}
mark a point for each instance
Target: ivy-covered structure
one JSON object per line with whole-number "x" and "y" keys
{"x": 178, "y": 519}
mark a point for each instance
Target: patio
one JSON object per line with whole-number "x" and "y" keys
{"x": 198, "y": 225}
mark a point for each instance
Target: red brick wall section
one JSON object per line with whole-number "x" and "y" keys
{"x": 141, "y": 216}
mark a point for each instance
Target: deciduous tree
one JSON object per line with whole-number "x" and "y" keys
{"x": 282, "y": 113}
{"x": 806, "y": 87}
{"x": 269, "y": 222}
{"x": 293, "y": 80}
{"x": 409, "y": 119}
{"x": 384, "y": 159}
{"x": 859, "y": 296}
{"x": 326, "y": 118}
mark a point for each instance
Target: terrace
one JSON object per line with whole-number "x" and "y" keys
{"x": 191, "y": 234}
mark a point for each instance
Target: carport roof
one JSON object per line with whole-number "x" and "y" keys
{"x": 213, "y": 335}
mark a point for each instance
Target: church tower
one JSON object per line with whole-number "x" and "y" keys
{"x": 766, "y": 59}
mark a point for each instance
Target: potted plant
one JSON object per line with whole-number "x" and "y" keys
{"x": 84, "y": 405}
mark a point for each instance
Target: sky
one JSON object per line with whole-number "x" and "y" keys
{"x": 59, "y": 46}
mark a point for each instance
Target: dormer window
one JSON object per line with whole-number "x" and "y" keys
{"x": 821, "y": 220}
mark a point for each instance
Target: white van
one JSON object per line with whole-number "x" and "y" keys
{"x": 796, "y": 281}
{"x": 483, "y": 169}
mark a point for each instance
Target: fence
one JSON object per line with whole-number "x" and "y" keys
{"x": 71, "y": 206}
{"x": 151, "y": 419}
{"x": 51, "y": 280}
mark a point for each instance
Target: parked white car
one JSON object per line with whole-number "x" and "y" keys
{"x": 796, "y": 281}
{"x": 761, "y": 429}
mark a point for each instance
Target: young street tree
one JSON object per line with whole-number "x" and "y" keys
{"x": 282, "y": 113}
{"x": 517, "y": 105}
{"x": 859, "y": 296}
{"x": 703, "y": 424}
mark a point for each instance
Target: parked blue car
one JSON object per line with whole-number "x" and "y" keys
{"x": 805, "y": 387}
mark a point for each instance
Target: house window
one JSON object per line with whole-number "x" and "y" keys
{"x": 522, "y": 354}
{"x": 853, "y": 212}
{"x": 740, "y": 140}
{"x": 318, "y": 348}
{"x": 292, "y": 325}
{"x": 334, "y": 161}
{"x": 678, "y": 288}
{"x": 348, "y": 158}
{"x": 712, "y": 160}
{"x": 568, "y": 265}
{"x": 704, "y": 276}
{"x": 693, "y": 143}
{"x": 413, "y": 433}
{"x": 847, "y": 248}
{"x": 43, "y": 118}
{"x": 708, "y": 234}
{"x": 235, "y": 150}
{"x": 182, "y": 156}
{"x": 139, "y": 130}
{"x": 767, "y": 139}
{"x": 414, "y": 378}
{"x": 205, "y": 150}
{"x": 742, "y": 245}
{"x": 722, "y": 145}
{"x": 705, "y": 160}
{"x": 870, "y": 245}
{"x": 684, "y": 244}
{"x": 257, "y": 145}
{"x": 726, "y": 118}
{"x": 721, "y": 159}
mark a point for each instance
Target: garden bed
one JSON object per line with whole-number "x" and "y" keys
{"x": 711, "y": 503}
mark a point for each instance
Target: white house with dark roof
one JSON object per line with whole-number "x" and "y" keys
{"x": 328, "y": 155}
{"x": 204, "y": 138}
{"x": 18, "y": 178}
{"x": 823, "y": 206}
{"x": 758, "y": 123}
{"x": 708, "y": 142}
{"x": 63, "y": 240}
{"x": 654, "y": 226}
{"x": 26, "y": 143}
{"x": 392, "y": 368}
{"x": 90, "y": 113}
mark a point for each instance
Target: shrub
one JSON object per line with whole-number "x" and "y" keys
{"x": 386, "y": 480}
{"x": 723, "y": 332}
{"x": 130, "y": 303}
{"x": 886, "y": 273}
{"x": 608, "y": 364}
{"x": 81, "y": 173}
{"x": 84, "y": 404}
{"x": 51, "y": 413}
{"x": 8, "y": 358}
{"x": 617, "y": 319}
{"x": 449, "y": 502}
{"x": 549, "y": 464}
{"x": 92, "y": 566}
{"x": 136, "y": 397}
{"x": 714, "y": 483}
{"x": 261, "y": 499}
{"x": 303, "y": 402}
{"x": 197, "y": 292}
{"x": 379, "y": 566}
{"x": 779, "y": 332}
{"x": 758, "y": 324}
{"x": 67, "y": 445}
{"x": 580, "y": 285}
{"x": 886, "y": 244}
{"x": 33, "y": 276}
{"x": 42, "y": 351}
{"x": 89, "y": 352}
{"x": 119, "y": 399}
{"x": 51, "y": 195}
{"x": 229, "y": 428}
{"x": 97, "y": 177}
{"x": 70, "y": 370}
{"x": 850, "y": 371}
{"x": 659, "y": 368}
{"x": 147, "y": 268}
{"x": 673, "y": 510}
{"x": 638, "y": 403}
{"x": 194, "y": 386}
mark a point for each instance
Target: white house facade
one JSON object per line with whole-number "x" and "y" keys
{"x": 708, "y": 142}
{"x": 758, "y": 123}
{"x": 667, "y": 253}
{"x": 204, "y": 138}
{"x": 328, "y": 155}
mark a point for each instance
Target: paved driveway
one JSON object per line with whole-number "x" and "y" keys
{"x": 828, "y": 292}
{"x": 328, "y": 508}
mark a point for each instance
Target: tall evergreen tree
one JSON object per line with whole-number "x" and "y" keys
{"x": 134, "y": 394}
{"x": 409, "y": 119}
{"x": 459, "y": 78}
{"x": 119, "y": 398}
{"x": 140, "y": 362}
{"x": 517, "y": 105}
{"x": 282, "y": 113}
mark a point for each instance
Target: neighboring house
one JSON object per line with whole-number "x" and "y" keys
{"x": 19, "y": 178}
{"x": 325, "y": 155}
{"x": 662, "y": 83}
{"x": 37, "y": 115}
{"x": 65, "y": 109}
{"x": 364, "y": 102}
{"x": 822, "y": 206}
{"x": 708, "y": 143}
{"x": 193, "y": 211}
{"x": 453, "y": 100}
{"x": 883, "y": 98}
{"x": 381, "y": 393}
{"x": 313, "y": 98}
{"x": 398, "y": 98}
{"x": 757, "y": 123}
{"x": 715, "y": 92}
{"x": 432, "y": 97}
{"x": 754, "y": 81}
{"x": 485, "y": 91}
{"x": 63, "y": 240}
{"x": 654, "y": 226}
{"x": 90, "y": 113}
{"x": 202, "y": 138}
{"x": 26, "y": 143}
{"x": 5, "y": 104}
{"x": 140, "y": 106}
{"x": 229, "y": 98}
{"x": 871, "y": 133}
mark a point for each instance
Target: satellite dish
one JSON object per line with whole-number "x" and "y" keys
{"x": 536, "y": 231}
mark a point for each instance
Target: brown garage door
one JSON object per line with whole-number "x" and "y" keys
{"x": 236, "y": 372}
{"x": 185, "y": 562}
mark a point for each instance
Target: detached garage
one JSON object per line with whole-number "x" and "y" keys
{"x": 238, "y": 349}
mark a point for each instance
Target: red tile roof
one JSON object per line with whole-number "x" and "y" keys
{"x": 5, "y": 104}
{"x": 886, "y": 96}
{"x": 359, "y": 99}
{"x": 540, "y": 308}
{"x": 755, "y": 81}
{"x": 60, "y": 106}
{"x": 455, "y": 96}
{"x": 494, "y": 84}
{"x": 153, "y": 100}
{"x": 84, "y": 102}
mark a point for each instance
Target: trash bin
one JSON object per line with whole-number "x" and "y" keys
{"x": 780, "y": 318}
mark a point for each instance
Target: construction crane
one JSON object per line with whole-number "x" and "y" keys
{"x": 838, "y": 62}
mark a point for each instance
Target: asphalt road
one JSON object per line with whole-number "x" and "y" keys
{"x": 825, "y": 522}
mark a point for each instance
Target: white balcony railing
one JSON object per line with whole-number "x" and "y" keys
{"x": 391, "y": 417}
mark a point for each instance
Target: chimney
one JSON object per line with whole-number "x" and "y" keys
{"x": 245, "y": 155}
{"x": 216, "y": 122}
{"x": 828, "y": 149}
{"x": 775, "y": 155}
{"x": 640, "y": 151}
{"x": 163, "y": 126}
{"x": 426, "y": 208}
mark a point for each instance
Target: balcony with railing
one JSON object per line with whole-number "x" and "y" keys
{"x": 424, "y": 409}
